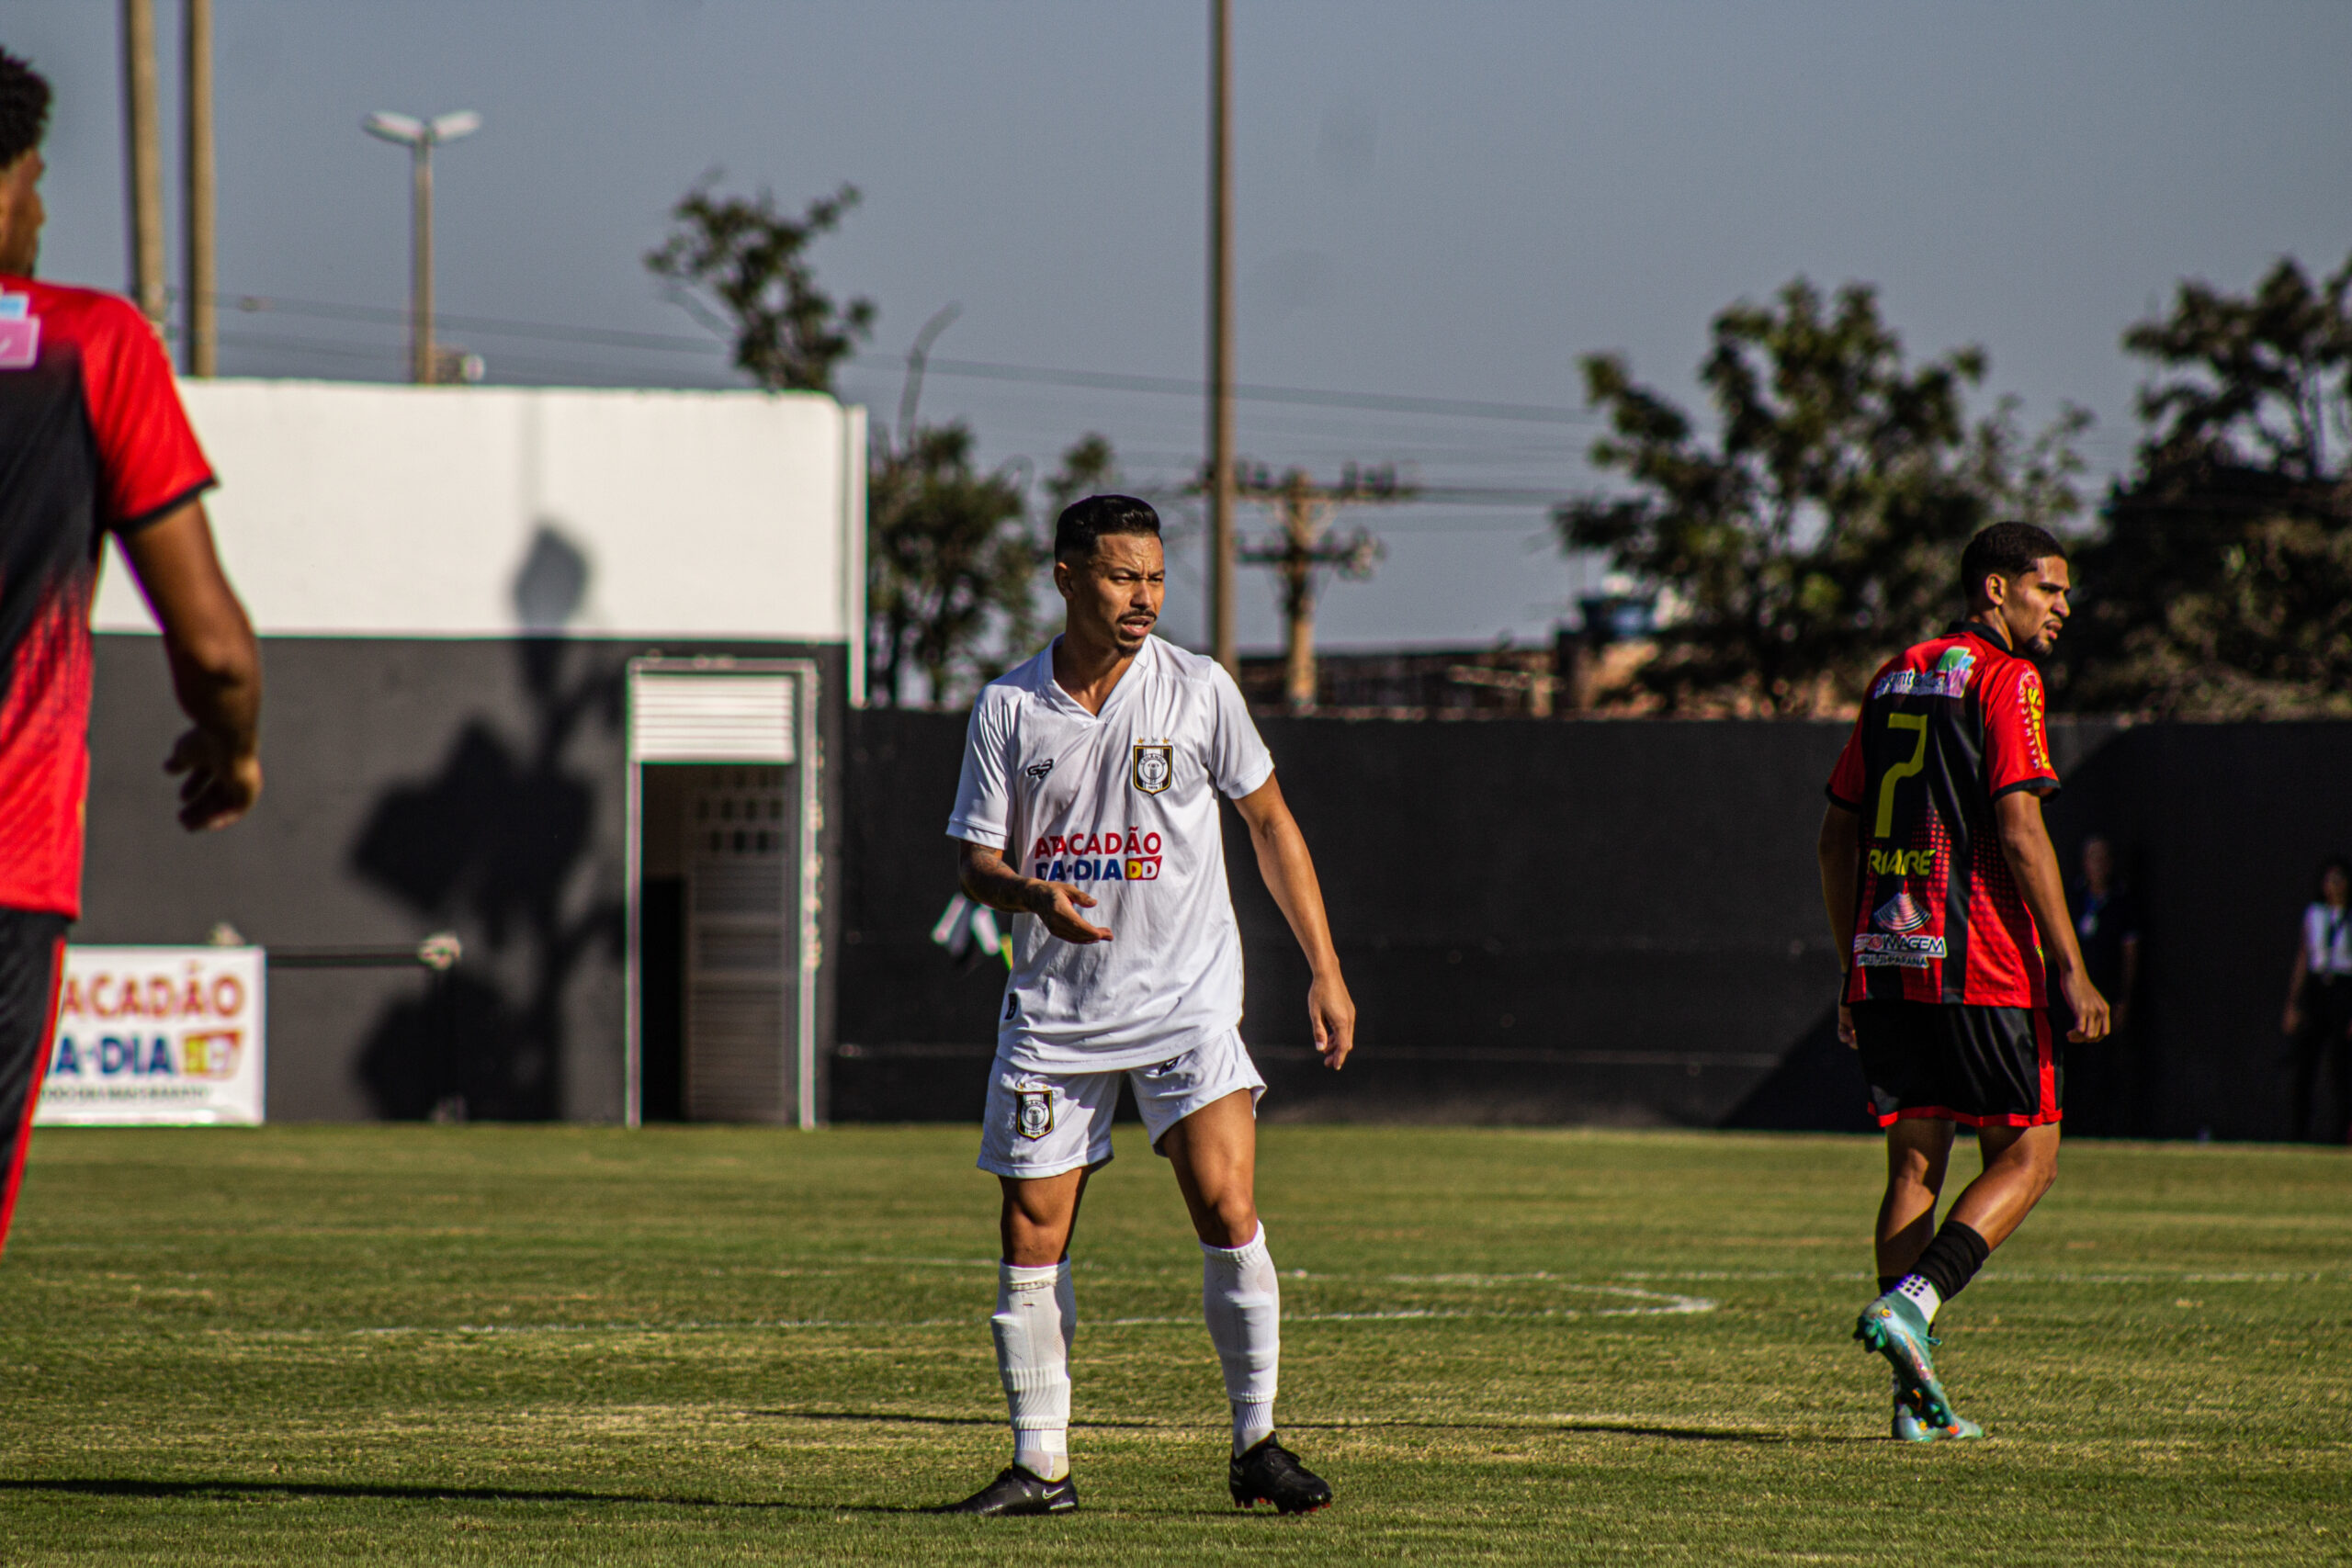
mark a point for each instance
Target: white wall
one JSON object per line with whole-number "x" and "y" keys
{"x": 355, "y": 510}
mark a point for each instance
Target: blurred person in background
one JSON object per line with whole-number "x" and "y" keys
{"x": 93, "y": 442}
{"x": 2099, "y": 1101}
{"x": 2319, "y": 1006}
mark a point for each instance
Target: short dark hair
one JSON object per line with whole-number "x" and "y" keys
{"x": 24, "y": 109}
{"x": 2009, "y": 548}
{"x": 1083, "y": 522}
{"x": 2333, "y": 862}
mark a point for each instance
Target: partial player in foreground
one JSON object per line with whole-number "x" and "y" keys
{"x": 93, "y": 441}
{"x": 1091, "y": 778}
{"x": 1945, "y": 894}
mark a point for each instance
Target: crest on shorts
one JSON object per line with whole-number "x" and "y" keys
{"x": 1154, "y": 766}
{"x": 1034, "y": 1115}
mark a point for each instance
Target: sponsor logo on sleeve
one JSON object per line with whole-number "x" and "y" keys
{"x": 2037, "y": 736}
{"x": 1110, "y": 855}
{"x": 1154, "y": 766}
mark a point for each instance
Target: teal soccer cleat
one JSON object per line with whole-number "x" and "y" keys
{"x": 1895, "y": 1327}
{"x": 1909, "y": 1428}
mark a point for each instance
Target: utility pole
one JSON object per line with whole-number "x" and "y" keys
{"x": 419, "y": 137}
{"x": 143, "y": 155}
{"x": 1301, "y": 549}
{"x": 1221, "y": 432}
{"x": 197, "y": 310}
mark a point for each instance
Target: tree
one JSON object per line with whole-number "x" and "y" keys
{"x": 953, "y": 564}
{"x": 946, "y": 557}
{"x": 1818, "y": 529}
{"x": 1089, "y": 468}
{"x": 749, "y": 258}
{"x": 2222, "y": 586}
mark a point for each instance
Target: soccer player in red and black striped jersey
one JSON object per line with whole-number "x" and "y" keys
{"x": 93, "y": 441}
{"x": 1945, "y": 897}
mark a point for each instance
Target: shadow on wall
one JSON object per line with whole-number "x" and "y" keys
{"x": 491, "y": 843}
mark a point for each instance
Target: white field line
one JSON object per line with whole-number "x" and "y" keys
{"x": 1642, "y": 1303}
{"x": 844, "y": 1266}
{"x": 2001, "y": 1276}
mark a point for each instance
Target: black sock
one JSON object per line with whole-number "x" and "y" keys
{"x": 1888, "y": 1282}
{"x": 1953, "y": 1258}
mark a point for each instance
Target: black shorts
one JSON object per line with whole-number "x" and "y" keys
{"x": 1948, "y": 1061}
{"x": 32, "y": 965}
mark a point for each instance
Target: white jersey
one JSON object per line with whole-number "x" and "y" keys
{"x": 1122, "y": 804}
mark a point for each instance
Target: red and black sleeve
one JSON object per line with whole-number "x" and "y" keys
{"x": 147, "y": 450}
{"x": 2017, "y": 730}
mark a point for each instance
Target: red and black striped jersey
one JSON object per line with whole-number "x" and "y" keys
{"x": 92, "y": 438}
{"x": 1947, "y": 726}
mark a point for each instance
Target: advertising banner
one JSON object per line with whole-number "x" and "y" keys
{"x": 156, "y": 1036}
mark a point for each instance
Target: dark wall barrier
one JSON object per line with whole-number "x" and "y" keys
{"x": 415, "y": 786}
{"x": 2221, "y": 828}
{"x": 1616, "y": 922}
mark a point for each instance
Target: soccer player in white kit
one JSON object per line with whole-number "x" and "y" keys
{"x": 1090, "y": 783}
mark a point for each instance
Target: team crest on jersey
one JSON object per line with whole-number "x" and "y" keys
{"x": 1154, "y": 766}
{"x": 1899, "y": 914}
{"x": 1034, "y": 1116}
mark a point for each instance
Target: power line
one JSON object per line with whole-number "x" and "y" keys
{"x": 1091, "y": 380}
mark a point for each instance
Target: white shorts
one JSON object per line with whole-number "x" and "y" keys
{"x": 1045, "y": 1123}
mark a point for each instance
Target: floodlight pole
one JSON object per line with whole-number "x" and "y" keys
{"x": 419, "y": 136}
{"x": 143, "y": 159}
{"x": 197, "y": 311}
{"x": 1221, "y": 432}
{"x": 420, "y": 304}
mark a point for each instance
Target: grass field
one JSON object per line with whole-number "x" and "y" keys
{"x": 715, "y": 1346}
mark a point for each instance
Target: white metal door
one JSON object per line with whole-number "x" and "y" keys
{"x": 743, "y": 733}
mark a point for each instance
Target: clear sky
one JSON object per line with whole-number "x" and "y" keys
{"x": 1442, "y": 201}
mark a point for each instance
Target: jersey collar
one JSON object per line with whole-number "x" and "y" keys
{"x": 1982, "y": 631}
{"x": 1055, "y": 693}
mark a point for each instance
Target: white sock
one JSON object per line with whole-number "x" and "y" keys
{"x": 1923, "y": 1295}
{"x": 1036, "y": 1320}
{"x": 1242, "y": 1298}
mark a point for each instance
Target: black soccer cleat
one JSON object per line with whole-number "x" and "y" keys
{"x": 1271, "y": 1474}
{"x": 1017, "y": 1491}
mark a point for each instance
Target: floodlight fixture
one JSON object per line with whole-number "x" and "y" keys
{"x": 404, "y": 128}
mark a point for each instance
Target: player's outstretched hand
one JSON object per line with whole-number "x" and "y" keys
{"x": 2088, "y": 1006}
{"x": 1058, "y": 904}
{"x": 220, "y": 785}
{"x": 1332, "y": 1013}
